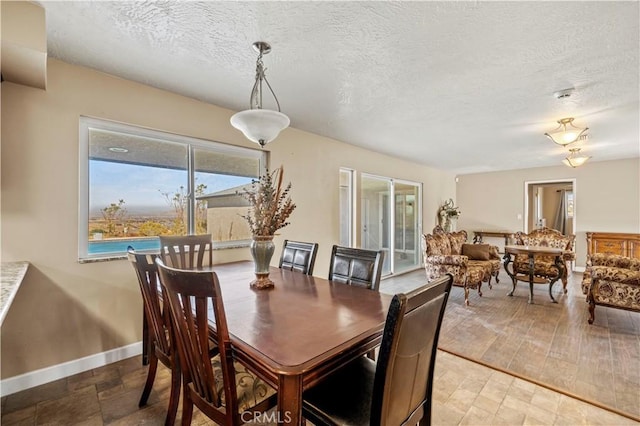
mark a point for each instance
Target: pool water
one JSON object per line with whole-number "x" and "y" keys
{"x": 120, "y": 245}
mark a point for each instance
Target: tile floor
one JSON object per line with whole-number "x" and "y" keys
{"x": 465, "y": 393}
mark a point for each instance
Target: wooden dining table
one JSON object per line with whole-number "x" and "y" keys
{"x": 298, "y": 332}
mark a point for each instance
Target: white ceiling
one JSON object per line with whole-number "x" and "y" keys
{"x": 462, "y": 86}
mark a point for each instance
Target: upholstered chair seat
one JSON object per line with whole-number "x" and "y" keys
{"x": 251, "y": 390}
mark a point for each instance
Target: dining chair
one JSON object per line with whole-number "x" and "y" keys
{"x": 187, "y": 251}
{"x": 161, "y": 342}
{"x": 222, "y": 388}
{"x": 355, "y": 266}
{"x": 298, "y": 256}
{"x": 398, "y": 388}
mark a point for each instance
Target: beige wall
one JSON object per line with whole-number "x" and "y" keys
{"x": 607, "y": 198}
{"x": 66, "y": 310}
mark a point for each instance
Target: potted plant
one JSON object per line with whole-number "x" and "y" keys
{"x": 269, "y": 208}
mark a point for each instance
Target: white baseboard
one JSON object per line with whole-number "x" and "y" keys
{"x": 579, "y": 269}
{"x": 69, "y": 368}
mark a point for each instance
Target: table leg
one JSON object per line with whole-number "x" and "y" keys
{"x": 531, "y": 270}
{"x": 507, "y": 260}
{"x": 290, "y": 399}
{"x": 561, "y": 268}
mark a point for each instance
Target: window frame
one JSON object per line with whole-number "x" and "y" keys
{"x": 191, "y": 143}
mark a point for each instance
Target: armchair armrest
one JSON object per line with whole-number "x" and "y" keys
{"x": 614, "y": 261}
{"x": 619, "y": 275}
{"x": 447, "y": 259}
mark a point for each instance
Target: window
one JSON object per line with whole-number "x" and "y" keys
{"x": 569, "y": 204}
{"x": 137, "y": 184}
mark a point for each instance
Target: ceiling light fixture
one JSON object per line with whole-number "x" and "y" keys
{"x": 575, "y": 159}
{"x": 257, "y": 124}
{"x": 118, "y": 149}
{"x": 563, "y": 135}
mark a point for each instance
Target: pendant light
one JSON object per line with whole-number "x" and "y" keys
{"x": 258, "y": 124}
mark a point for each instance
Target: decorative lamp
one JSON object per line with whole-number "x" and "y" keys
{"x": 566, "y": 132}
{"x": 257, "y": 124}
{"x": 575, "y": 159}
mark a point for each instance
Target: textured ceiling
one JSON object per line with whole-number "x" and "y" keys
{"x": 462, "y": 86}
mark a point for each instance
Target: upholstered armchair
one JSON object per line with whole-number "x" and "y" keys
{"x": 443, "y": 255}
{"x": 611, "y": 280}
{"x": 544, "y": 266}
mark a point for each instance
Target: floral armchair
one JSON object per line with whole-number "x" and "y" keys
{"x": 544, "y": 266}
{"x": 611, "y": 280}
{"x": 443, "y": 254}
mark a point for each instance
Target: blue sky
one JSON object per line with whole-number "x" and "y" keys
{"x": 142, "y": 186}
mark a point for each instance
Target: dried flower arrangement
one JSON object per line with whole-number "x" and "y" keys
{"x": 270, "y": 203}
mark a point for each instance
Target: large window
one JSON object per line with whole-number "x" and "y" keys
{"x": 137, "y": 184}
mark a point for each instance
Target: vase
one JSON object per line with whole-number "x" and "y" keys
{"x": 262, "y": 249}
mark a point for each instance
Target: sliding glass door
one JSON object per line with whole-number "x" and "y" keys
{"x": 390, "y": 221}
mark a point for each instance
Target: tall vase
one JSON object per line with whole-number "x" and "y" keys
{"x": 262, "y": 249}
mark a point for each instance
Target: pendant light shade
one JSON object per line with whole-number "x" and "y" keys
{"x": 566, "y": 133}
{"x": 574, "y": 159}
{"x": 260, "y": 125}
{"x": 257, "y": 124}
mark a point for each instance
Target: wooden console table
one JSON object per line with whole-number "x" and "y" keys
{"x": 477, "y": 236}
{"x": 627, "y": 245}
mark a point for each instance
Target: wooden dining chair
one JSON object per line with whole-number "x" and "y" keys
{"x": 187, "y": 251}
{"x": 398, "y": 389}
{"x": 298, "y": 256}
{"x": 355, "y": 266}
{"x": 161, "y": 342}
{"x": 222, "y": 388}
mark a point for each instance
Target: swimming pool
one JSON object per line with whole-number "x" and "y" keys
{"x": 120, "y": 245}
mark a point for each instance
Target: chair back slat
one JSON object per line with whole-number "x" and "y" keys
{"x": 298, "y": 256}
{"x": 187, "y": 251}
{"x": 359, "y": 267}
{"x": 155, "y": 306}
{"x": 404, "y": 373}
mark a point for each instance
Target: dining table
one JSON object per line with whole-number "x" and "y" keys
{"x": 298, "y": 332}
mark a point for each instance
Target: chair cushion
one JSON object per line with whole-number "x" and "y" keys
{"x": 343, "y": 398}
{"x": 476, "y": 251}
{"x": 251, "y": 389}
{"x": 456, "y": 240}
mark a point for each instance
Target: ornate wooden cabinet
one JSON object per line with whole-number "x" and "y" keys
{"x": 627, "y": 245}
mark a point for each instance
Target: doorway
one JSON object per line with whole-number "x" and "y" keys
{"x": 551, "y": 204}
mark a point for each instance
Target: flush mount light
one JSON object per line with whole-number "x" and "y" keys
{"x": 257, "y": 124}
{"x": 118, "y": 149}
{"x": 566, "y": 133}
{"x": 575, "y": 159}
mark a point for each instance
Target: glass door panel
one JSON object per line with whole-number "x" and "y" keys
{"x": 407, "y": 245}
{"x": 376, "y": 217}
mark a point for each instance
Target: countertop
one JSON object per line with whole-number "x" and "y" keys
{"x": 11, "y": 276}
